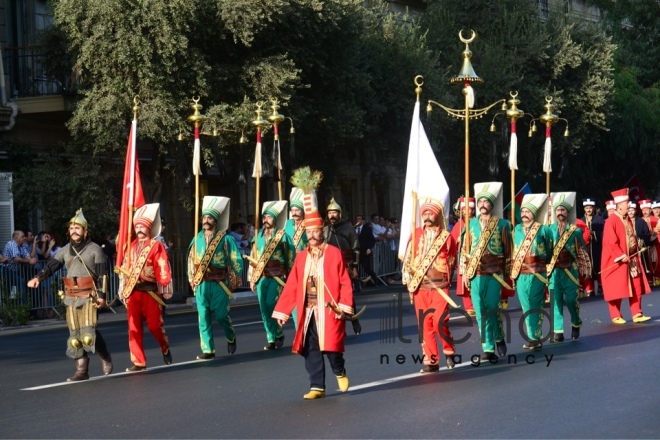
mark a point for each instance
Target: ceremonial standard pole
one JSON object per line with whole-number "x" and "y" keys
{"x": 513, "y": 113}
{"x": 549, "y": 119}
{"x": 466, "y": 77}
{"x": 197, "y": 119}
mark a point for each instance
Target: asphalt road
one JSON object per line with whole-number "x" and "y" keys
{"x": 604, "y": 385}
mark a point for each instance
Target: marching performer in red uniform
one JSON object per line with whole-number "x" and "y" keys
{"x": 319, "y": 289}
{"x": 622, "y": 271}
{"x": 427, "y": 269}
{"x": 146, "y": 281}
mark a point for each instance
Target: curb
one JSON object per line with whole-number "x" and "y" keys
{"x": 241, "y": 298}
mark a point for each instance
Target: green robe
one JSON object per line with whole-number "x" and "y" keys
{"x": 213, "y": 296}
{"x": 268, "y": 290}
{"x": 485, "y": 290}
{"x": 531, "y": 289}
{"x": 563, "y": 290}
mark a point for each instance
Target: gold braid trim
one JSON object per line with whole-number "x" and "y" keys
{"x": 134, "y": 276}
{"x": 298, "y": 235}
{"x": 268, "y": 252}
{"x": 485, "y": 237}
{"x": 560, "y": 245}
{"x": 428, "y": 259}
{"x": 206, "y": 260}
{"x": 523, "y": 249}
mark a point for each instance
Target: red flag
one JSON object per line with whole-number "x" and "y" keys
{"x": 635, "y": 190}
{"x": 132, "y": 196}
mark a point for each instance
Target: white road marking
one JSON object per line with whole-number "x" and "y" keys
{"x": 404, "y": 377}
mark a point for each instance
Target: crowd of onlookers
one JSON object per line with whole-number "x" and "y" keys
{"x": 27, "y": 249}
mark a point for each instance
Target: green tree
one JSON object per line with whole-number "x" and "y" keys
{"x": 517, "y": 51}
{"x": 341, "y": 70}
{"x": 633, "y": 140}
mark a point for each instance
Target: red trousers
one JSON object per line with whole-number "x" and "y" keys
{"x": 635, "y": 300}
{"x": 430, "y": 306}
{"x": 142, "y": 307}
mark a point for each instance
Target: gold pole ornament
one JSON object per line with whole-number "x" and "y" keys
{"x": 259, "y": 123}
{"x": 466, "y": 76}
{"x": 512, "y": 113}
{"x": 275, "y": 118}
{"x": 549, "y": 119}
{"x": 197, "y": 119}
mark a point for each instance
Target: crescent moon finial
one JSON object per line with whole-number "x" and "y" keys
{"x": 514, "y": 95}
{"x": 136, "y": 99}
{"x": 467, "y": 41}
{"x": 419, "y": 80}
{"x": 548, "y": 99}
{"x": 195, "y": 100}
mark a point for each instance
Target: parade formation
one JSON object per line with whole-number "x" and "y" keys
{"x": 306, "y": 269}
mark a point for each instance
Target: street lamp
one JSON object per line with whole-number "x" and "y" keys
{"x": 466, "y": 77}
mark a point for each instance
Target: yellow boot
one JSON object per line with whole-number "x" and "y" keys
{"x": 314, "y": 394}
{"x": 343, "y": 383}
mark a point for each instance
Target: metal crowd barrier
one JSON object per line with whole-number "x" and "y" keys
{"x": 384, "y": 260}
{"x": 14, "y": 278}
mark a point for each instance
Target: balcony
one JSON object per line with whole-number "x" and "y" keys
{"x": 32, "y": 85}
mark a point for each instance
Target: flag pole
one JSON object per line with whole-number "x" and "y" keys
{"x": 131, "y": 193}
{"x": 275, "y": 118}
{"x": 549, "y": 119}
{"x": 197, "y": 119}
{"x": 259, "y": 122}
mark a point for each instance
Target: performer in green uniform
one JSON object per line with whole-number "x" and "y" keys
{"x": 532, "y": 247}
{"x": 270, "y": 262}
{"x": 569, "y": 260}
{"x": 215, "y": 268}
{"x": 488, "y": 265}
{"x": 295, "y": 227}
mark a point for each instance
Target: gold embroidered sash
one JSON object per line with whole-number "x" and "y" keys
{"x": 268, "y": 252}
{"x": 523, "y": 249}
{"x": 428, "y": 259}
{"x": 134, "y": 275}
{"x": 298, "y": 235}
{"x": 206, "y": 259}
{"x": 485, "y": 237}
{"x": 560, "y": 245}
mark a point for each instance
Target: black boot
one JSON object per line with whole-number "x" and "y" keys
{"x": 104, "y": 354}
{"x": 82, "y": 364}
{"x": 106, "y": 360}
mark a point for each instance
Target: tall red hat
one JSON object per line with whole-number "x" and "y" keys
{"x": 620, "y": 195}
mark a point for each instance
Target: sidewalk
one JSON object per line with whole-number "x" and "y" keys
{"x": 119, "y": 313}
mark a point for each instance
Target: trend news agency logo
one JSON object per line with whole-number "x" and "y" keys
{"x": 391, "y": 330}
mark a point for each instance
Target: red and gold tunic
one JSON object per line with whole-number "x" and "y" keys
{"x": 619, "y": 240}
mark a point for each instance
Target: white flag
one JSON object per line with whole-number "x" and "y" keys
{"x": 513, "y": 151}
{"x": 256, "y": 170}
{"x": 196, "y": 158}
{"x": 423, "y": 177}
{"x": 547, "y": 162}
